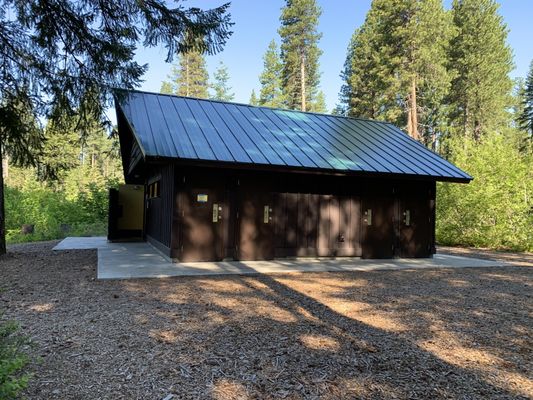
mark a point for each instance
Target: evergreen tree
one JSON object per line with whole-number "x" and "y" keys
{"x": 319, "y": 106}
{"x": 167, "y": 87}
{"x": 396, "y": 66}
{"x": 21, "y": 140}
{"x": 61, "y": 150}
{"x": 526, "y": 116}
{"x": 271, "y": 94}
{"x": 189, "y": 77}
{"x": 300, "y": 52}
{"x": 517, "y": 101}
{"x": 254, "y": 101}
{"x": 220, "y": 85}
{"x": 366, "y": 76}
{"x": 481, "y": 61}
{"x": 58, "y": 53}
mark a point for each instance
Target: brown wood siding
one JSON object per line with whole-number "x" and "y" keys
{"x": 159, "y": 210}
{"x": 310, "y": 224}
{"x": 311, "y": 215}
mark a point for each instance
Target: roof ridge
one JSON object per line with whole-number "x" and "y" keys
{"x": 252, "y": 106}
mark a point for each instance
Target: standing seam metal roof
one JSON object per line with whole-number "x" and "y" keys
{"x": 197, "y": 129}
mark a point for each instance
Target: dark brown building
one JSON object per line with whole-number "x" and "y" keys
{"x": 233, "y": 181}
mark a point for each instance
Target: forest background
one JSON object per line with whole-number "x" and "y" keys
{"x": 441, "y": 74}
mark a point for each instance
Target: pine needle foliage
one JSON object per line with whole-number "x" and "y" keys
{"x": 189, "y": 77}
{"x": 271, "y": 94}
{"x": 525, "y": 118}
{"x": 222, "y": 89}
{"x": 395, "y": 68}
{"x": 300, "y": 53}
{"x": 481, "y": 61}
{"x": 72, "y": 54}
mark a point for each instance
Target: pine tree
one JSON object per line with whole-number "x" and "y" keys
{"x": 189, "y": 77}
{"x": 61, "y": 150}
{"x": 220, "y": 85}
{"x": 396, "y": 66}
{"x": 59, "y": 53}
{"x": 271, "y": 94}
{"x": 526, "y": 116}
{"x": 319, "y": 106}
{"x": 254, "y": 101}
{"x": 300, "y": 52}
{"x": 367, "y": 76}
{"x": 481, "y": 61}
{"x": 167, "y": 87}
{"x": 517, "y": 101}
{"x": 20, "y": 139}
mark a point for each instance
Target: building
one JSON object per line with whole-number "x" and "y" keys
{"x": 232, "y": 181}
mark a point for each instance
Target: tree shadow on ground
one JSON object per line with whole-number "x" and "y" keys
{"x": 461, "y": 333}
{"x": 261, "y": 337}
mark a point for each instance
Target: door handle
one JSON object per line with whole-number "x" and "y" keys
{"x": 368, "y": 215}
{"x": 407, "y": 215}
{"x": 215, "y": 212}
{"x": 266, "y": 214}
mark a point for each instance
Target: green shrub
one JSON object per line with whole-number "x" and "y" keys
{"x": 13, "y": 359}
{"x": 496, "y": 209}
{"x": 78, "y": 207}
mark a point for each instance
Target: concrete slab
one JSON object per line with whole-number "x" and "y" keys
{"x": 82, "y": 243}
{"x": 142, "y": 260}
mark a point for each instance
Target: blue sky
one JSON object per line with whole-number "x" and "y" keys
{"x": 256, "y": 23}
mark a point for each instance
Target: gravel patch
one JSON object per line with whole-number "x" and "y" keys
{"x": 432, "y": 334}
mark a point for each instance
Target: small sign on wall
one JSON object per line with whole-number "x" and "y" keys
{"x": 201, "y": 198}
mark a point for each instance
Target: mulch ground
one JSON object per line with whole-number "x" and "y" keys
{"x": 425, "y": 334}
{"x": 518, "y": 259}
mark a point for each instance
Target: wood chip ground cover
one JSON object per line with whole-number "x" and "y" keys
{"x": 461, "y": 333}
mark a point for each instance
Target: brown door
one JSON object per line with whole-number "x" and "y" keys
{"x": 415, "y": 227}
{"x": 348, "y": 237}
{"x": 377, "y": 227}
{"x": 256, "y": 226}
{"x": 204, "y": 225}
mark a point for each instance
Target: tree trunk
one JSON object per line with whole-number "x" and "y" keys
{"x": 409, "y": 119}
{"x": 2, "y": 209}
{"x": 187, "y": 80}
{"x": 5, "y": 166}
{"x": 302, "y": 81}
{"x": 413, "y": 113}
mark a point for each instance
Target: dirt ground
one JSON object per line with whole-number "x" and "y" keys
{"x": 425, "y": 334}
{"x": 518, "y": 259}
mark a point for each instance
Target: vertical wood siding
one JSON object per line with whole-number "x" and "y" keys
{"x": 311, "y": 216}
{"x": 310, "y": 224}
{"x": 159, "y": 211}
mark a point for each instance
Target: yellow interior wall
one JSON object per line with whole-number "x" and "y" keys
{"x": 131, "y": 198}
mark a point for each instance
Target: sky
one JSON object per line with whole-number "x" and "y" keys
{"x": 257, "y": 22}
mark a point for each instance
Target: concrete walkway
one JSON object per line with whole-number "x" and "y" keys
{"x": 142, "y": 260}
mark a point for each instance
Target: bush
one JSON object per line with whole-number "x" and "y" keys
{"x": 496, "y": 209}
{"x": 12, "y": 361}
{"x": 78, "y": 207}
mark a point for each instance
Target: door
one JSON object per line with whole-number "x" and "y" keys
{"x": 415, "y": 227}
{"x": 204, "y": 225}
{"x": 339, "y": 227}
{"x": 256, "y": 226}
{"x": 377, "y": 227}
{"x": 348, "y": 237}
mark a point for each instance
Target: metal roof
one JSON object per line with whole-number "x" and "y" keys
{"x": 197, "y": 129}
